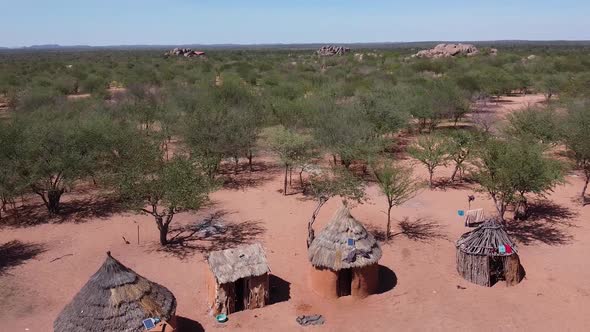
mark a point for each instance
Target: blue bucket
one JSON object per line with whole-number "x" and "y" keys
{"x": 222, "y": 318}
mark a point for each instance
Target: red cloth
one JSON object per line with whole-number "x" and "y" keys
{"x": 508, "y": 249}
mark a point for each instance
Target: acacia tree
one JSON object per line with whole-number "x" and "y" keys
{"x": 508, "y": 170}
{"x": 346, "y": 133}
{"x": 291, "y": 148}
{"x": 541, "y": 124}
{"x": 397, "y": 184}
{"x": 153, "y": 185}
{"x": 576, "y": 135}
{"x": 431, "y": 151}
{"x": 11, "y": 182}
{"x": 58, "y": 149}
{"x": 459, "y": 147}
{"x": 221, "y": 123}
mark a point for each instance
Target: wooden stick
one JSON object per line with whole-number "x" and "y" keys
{"x": 60, "y": 257}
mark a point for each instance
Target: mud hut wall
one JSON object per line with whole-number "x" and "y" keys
{"x": 365, "y": 280}
{"x": 212, "y": 287}
{"x": 224, "y": 299}
{"x": 474, "y": 268}
{"x": 324, "y": 282}
{"x": 513, "y": 271}
{"x": 258, "y": 292}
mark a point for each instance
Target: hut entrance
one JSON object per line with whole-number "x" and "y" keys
{"x": 496, "y": 269}
{"x": 241, "y": 296}
{"x": 344, "y": 282}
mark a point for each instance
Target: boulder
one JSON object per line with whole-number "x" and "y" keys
{"x": 448, "y": 50}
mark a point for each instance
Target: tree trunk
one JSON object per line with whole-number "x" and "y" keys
{"x": 163, "y": 228}
{"x": 301, "y": 177}
{"x": 346, "y": 163}
{"x": 500, "y": 207}
{"x": 237, "y": 165}
{"x": 584, "y": 189}
{"x": 310, "y": 231}
{"x": 388, "y": 231}
{"x": 164, "y": 235}
{"x": 455, "y": 172}
{"x": 53, "y": 200}
{"x": 285, "y": 183}
{"x": 430, "y": 179}
{"x": 334, "y": 159}
{"x": 290, "y": 176}
{"x": 250, "y": 160}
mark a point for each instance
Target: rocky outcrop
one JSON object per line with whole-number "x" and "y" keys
{"x": 185, "y": 52}
{"x": 331, "y": 50}
{"x": 448, "y": 50}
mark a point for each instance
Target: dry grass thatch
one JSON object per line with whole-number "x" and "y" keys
{"x": 232, "y": 264}
{"x": 330, "y": 249}
{"x": 115, "y": 299}
{"x": 485, "y": 240}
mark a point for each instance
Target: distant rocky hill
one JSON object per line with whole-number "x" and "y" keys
{"x": 331, "y": 50}
{"x": 448, "y": 50}
{"x": 185, "y": 52}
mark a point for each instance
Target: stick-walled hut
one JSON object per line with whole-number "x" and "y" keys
{"x": 239, "y": 279}
{"x": 116, "y": 299}
{"x": 344, "y": 258}
{"x": 487, "y": 255}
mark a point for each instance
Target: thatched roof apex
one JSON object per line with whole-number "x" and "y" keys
{"x": 115, "y": 299}
{"x": 232, "y": 264}
{"x": 331, "y": 248}
{"x": 485, "y": 240}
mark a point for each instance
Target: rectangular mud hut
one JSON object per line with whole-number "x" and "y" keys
{"x": 344, "y": 259}
{"x": 239, "y": 279}
{"x": 486, "y": 255}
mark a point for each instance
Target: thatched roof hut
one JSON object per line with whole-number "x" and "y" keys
{"x": 487, "y": 254}
{"x": 239, "y": 279}
{"x": 344, "y": 257}
{"x": 116, "y": 299}
{"x": 232, "y": 264}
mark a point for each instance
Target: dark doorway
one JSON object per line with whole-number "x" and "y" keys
{"x": 496, "y": 270}
{"x": 344, "y": 282}
{"x": 240, "y": 292}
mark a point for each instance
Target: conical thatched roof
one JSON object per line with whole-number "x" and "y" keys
{"x": 232, "y": 264}
{"x": 115, "y": 299}
{"x": 331, "y": 248}
{"x": 485, "y": 240}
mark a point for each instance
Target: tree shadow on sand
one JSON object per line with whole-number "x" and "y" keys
{"x": 77, "y": 211}
{"x": 15, "y": 253}
{"x": 545, "y": 224}
{"x": 210, "y": 234}
{"x": 421, "y": 229}
{"x": 261, "y": 173}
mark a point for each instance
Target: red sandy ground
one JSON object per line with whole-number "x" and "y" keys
{"x": 428, "y": 294}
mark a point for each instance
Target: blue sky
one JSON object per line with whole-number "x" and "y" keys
{"x": 119, "y": 22}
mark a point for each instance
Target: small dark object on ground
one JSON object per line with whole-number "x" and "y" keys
{"x": 461, "y": 287}
{"x": 306, "y": 320}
